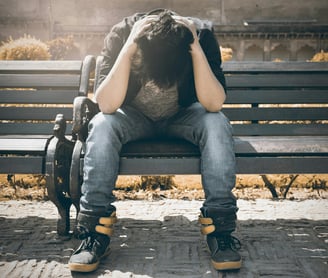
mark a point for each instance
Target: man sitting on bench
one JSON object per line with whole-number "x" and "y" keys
{"x": 161, "y": 76}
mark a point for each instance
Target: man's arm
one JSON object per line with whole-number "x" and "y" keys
{"x": 210, "y": 92}
{"x": 111, "y": 93}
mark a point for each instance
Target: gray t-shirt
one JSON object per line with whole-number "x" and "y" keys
{"x": 156, "y": 103}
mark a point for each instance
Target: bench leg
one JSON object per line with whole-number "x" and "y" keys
{"x": 57, "y": 174}
{"x": 76, "y": 177}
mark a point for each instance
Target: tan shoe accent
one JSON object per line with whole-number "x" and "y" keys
{"x": 207, "y": 225}
{"x": 106, "y": 226}
{"x": 83, "y": 267}
{"x": 112, "y": 219}
{"x": 226, "y": 265}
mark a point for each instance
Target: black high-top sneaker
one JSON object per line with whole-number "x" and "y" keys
{"x": 223, "y": 249}
{"x": 95, "y": 233}
{"x": 222, "y": 245}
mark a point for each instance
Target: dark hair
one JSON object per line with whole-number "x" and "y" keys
{"x": 165, "y": 51}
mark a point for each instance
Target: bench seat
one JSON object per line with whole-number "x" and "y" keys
{"x": 23, "y": 154}
{"x": 244, "y": 146}
{"x": 260, "y": 155}
{"x": 275, "y": 150}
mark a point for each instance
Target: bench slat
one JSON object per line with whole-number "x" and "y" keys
{"x": 278, "y": 80}
{"x": 34, "y": 113}
{"x": 40, "y": 66}
{"x": 260, "y": 66}
{"x": 282, "y": 145}
{"x": 22, "y": 165}
{"x": 39, "y": 81}
{"x": 280, "y": 129}
{"x": 282, "y": 165}
{"x": 282, "y": 114}
{"x": 159, "y": 166}
{"x": 159, "y": 147}
{"x": 30, "y": 128}
{"x": 190, "y": 165}
{"x": 246, "y": 145}
{"x": 277, "y": 96}
{"x": 38, "y": 96}
{"x": 30, "y": 146}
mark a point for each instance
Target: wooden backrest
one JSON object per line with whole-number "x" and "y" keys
{"x": 274, "y": 98}
{"x": 32, "y": 93}
{"x": 277, "y": 98}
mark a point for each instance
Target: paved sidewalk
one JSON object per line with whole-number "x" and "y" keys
{"x": 162, "y": 239}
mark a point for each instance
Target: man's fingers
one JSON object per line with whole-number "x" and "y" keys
{"x": 187, "y": 23}
{"x": 183, "y": 20}
{"x": 145, "y": 28}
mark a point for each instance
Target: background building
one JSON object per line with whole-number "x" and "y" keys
{"x": 254, "y": 29}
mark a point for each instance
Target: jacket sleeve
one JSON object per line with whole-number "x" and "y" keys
{"x": 113, "y": 44}
{"x": 212, "y": 52}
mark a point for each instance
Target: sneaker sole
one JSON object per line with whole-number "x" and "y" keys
{"x": 226, "y": 265}
{"x": 83, "y": 267}
{"x": 76, "y": 267}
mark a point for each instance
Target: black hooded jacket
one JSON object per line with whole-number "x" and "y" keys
{"x": 118, "y": 35}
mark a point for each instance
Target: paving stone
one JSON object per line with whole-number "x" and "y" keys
{"x": 162, "y": 239}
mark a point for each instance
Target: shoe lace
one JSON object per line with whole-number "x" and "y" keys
{"x": 90, "y": 241}
{"x": 87, "y": 243}
{"x": 226, "y": 242}
{"x": 87, "y": 240}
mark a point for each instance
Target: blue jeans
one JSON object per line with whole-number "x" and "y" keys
{"x": 108, "y": 132}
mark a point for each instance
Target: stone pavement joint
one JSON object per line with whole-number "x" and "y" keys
{"x": 162, "y": 239}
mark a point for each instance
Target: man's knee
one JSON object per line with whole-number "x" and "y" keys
{"x": 216, "y": 122}
{"x": 103, "y": 122}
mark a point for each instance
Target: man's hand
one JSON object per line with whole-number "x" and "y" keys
{"x": 139, "y": 29}
{"x": 210, "y": 92}
{"x": 185, "y": 21}
{"x": 111, "y": 93}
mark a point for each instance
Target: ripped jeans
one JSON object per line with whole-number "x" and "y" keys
{"x": 212, "y": 132}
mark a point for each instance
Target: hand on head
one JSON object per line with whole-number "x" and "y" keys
{"x": 139, "y": 29}
{"x": 142, "y": 26}
{"x": 149, "y": 26}
{"x": 187, "y": 22}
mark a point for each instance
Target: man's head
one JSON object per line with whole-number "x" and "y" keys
{"x": 164, "y": 51}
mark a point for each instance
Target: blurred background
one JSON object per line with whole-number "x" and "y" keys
{"x": 256, "y": 30}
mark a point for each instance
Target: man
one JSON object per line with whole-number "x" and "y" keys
{"x": 161, "y": 76}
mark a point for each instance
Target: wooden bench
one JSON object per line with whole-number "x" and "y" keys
{"x": 32, "y": 93}
{"x": 279, "y": 113}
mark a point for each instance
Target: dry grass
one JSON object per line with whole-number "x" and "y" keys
{"x": 186, "y": 187}
{"x": 320, "y": 57}
{"x": 25, "y": 48}
{"x": 226, "y": 53}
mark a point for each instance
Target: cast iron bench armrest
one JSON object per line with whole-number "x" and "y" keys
{"x": 83, "y": 111}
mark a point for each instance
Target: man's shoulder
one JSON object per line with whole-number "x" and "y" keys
{"x": 128, "y": 21}
{"x": 202, "y": 24}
